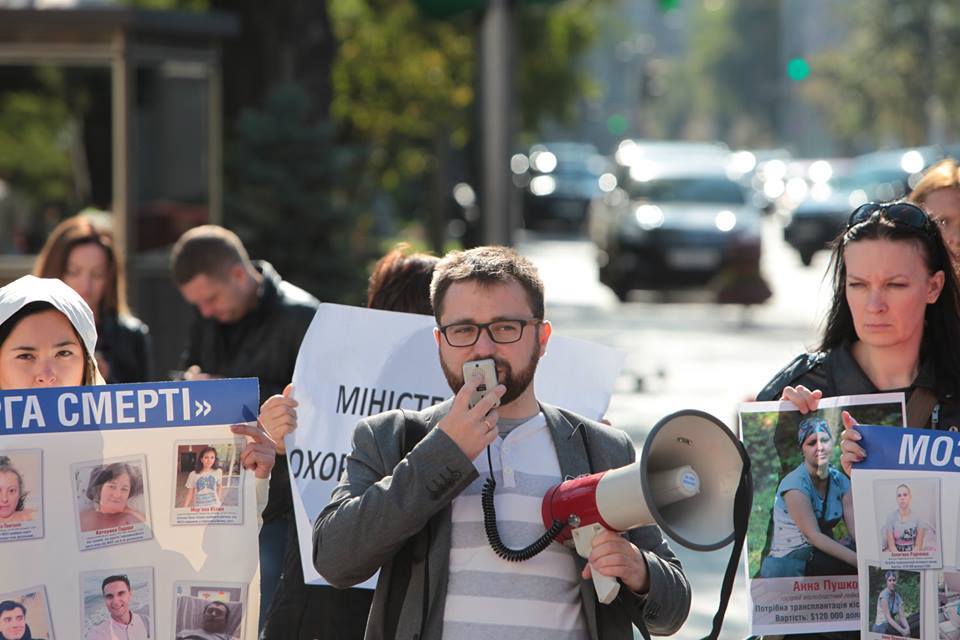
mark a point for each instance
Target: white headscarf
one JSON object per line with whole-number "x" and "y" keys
{"x": 27, "y": 289}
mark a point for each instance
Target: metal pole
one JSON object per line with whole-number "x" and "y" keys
{"x": 496, "y": 45}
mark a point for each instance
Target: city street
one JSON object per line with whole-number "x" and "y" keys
{"x": 687, "y": 353}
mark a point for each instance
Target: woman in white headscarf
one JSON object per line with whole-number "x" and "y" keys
{"x": 48, "y": 338}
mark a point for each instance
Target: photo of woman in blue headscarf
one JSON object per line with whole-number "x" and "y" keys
{"x": 810, "y": 501}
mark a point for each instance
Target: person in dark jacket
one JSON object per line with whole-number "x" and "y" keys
{"x": 400, "y": 282}
{"x": 81, "y": 252}
{"x": 249, "y": 323}
{"x": 893, "y": 325}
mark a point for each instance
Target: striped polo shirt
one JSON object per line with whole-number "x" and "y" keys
{"x": 488, "y": 597}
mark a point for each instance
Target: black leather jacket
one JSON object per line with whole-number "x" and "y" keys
{"x": 262, "y": 344}
{"x": 124, "y": 342}
{"x": 836, "y": 373}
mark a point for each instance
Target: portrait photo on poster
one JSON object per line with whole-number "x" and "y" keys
{"x": 208, "y": 617}
{"x": 112, "y": 501}
{"x": 117, "y": 603}
{"x": 25, "y": 615}
{"x": 801, "y": 548}
{"x": 798, "y": 479}
{"x": 895, "y": 598}
{"x": 21, "y": 494}
{"x": 908, "y": 522}
{"x": 948, "y": 605}
{"x": 191, "y": 615}
{"x": 208, "y": 486}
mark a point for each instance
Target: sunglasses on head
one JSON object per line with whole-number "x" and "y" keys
{"x": 900, "y": 213}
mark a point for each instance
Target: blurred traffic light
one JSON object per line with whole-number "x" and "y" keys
{"x": 669, "y": 5}
{"x": 798, "y": 69}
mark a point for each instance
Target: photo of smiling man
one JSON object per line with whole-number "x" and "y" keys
{"x": 121, "y": 608}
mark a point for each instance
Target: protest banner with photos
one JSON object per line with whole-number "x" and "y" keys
{"x": 106, "y": 526}
{"x": 801, "y": 554}
{"x": 357, "y": 362}
{"x": 906, "y": 493}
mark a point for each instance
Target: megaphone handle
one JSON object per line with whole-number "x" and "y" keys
{"x": 606, "y": 587}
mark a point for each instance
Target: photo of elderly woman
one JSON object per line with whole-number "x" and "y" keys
{"x": 112, "y": 502}
{"x": 810, "y": 501}
{"x": 21, "y": 495}
{"x": 895, "y": 599}
{"x": 207, "y": 483}
{"x": 908, "y": 527}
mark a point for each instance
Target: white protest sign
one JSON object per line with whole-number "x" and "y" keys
{"x": 105, "y": 514}
{"x": 357, "y": 362}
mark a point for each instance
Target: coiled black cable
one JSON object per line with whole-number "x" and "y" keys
{"x": 493, "y": 535}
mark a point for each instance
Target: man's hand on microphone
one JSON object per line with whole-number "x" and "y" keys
{"x": 472, "y": 429}
{"x": 616, "y": 557}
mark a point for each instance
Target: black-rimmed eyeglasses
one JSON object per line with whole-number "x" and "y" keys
{"x": 901, "y": 213}
{"x": 466, "y": 334}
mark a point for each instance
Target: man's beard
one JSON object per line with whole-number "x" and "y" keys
{"x": 516, "y": 383}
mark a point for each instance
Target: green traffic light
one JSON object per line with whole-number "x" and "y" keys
{"x": 669, "y": 5}
{"x": 798, "y": 69}
{"x": 617, "y": 124}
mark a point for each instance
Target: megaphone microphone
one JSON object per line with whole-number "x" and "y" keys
{"x": 608, "y": 500}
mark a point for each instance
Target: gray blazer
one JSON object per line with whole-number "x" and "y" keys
{"x": 392, "y": 513}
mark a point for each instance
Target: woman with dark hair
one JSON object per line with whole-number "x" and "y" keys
{"x": 205, "y": 482}
{"x": 81, "y": 252}
{"x": 110, "y": 488}
{"x": 893, "y": 324}
{"x": 401, "y": 281}
{"x": 811, "y": 500}
{"x": 13, "y": 494}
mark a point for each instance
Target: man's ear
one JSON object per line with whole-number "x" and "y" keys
{"x": 544, "y": 336}
{"x": 237, "y": 273}
{"x": 436, "y": 335}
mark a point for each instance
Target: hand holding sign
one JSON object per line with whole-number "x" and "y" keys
{"x": 850, "y": 451}
{"x": 278, "y": 415}
{"x": 260, "y": 453}
{"x": 805, "y": 399}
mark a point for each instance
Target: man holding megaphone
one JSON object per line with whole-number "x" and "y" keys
{"x": 461, "y": 559}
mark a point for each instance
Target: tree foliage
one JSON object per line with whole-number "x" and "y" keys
{"x": 292, "y": 195}
{"x": 893, "y": 77}
{"x": 726, "y": 84}
{"x": 401, "y": 80}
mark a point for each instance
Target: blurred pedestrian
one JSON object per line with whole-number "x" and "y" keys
{"x": 939, "y": 193}
{"x": 81, "y": 252}
{"x": 248, "y": 323}
{"x": 400, "y": 282}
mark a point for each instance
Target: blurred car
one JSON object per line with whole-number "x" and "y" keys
{"x": 562, "y": 178}
{"x": 878, "y": 176}
{"x": 673, "y": 225}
